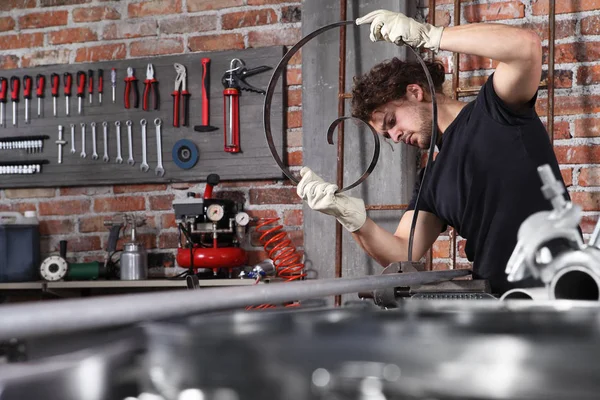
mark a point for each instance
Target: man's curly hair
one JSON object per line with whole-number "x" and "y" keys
{"x": 387, "y": 81}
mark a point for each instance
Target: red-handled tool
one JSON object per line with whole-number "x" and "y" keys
{"x": 27, "y": 86}
{"x": 55, "y": 83}
{"x": 40, "y": 86}
{"x": 68, "y": 80}
{"x": 80, "y": 90}
{"x": 131, "y": 82}
{"x": 150, "y": 86}
{"x": 3, "y": 99}
{"x": 100, "y": 85}
{"x": 91, "y": 85}
{"x": 15, "y": 87}
{"x": 181, "y": 91}
{"x": 205, "y": 127}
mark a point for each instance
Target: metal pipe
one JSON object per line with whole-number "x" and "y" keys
{"x": 575, "y": 283}
{"x": 540, "y": 293}
{"x": 455, "y": 90}
{"x": 386, "y": 207}
{"x": 550, "y": 79}
{"x": 63, "y": 316}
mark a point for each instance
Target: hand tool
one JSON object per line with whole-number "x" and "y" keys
{"x": 3, "y": 96}
{"x": 180, "y": 83}
{"x": 80, "y": 91}
{"x": 113, "y": 84}
{"x": 91, "y": 85}
{"x": 83, "y": 155}
{"x": 185, "y": 154}
{"x": 73, "y": 139}
{"x": 205, "y": 127}
{"x": 131, "y": 81}
{"x": 100, "y": 85}
{"x": 144, "y": 165}
{"x": 27, "y": 85}
{"x": 14, "y": 96}
{"x": 159, "y": 170}
{"x": 60, "y": 142}
{"x": 105, "y": 136}
{"x": 68, "y": 78}
{"x": 130, "y": 160}
{"x": 40, "y": 85}
{"x": 150, "y": 85}
{"x": 233, "y": 81}
{"x": 119, "y": 159}
{"x": 94, "y": 149}
{"x": 55, "y": 82}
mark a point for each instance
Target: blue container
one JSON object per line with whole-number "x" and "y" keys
{"x": 19, "y": 247}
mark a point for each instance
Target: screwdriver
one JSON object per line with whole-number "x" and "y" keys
{"x": 113, "y": 80}
{"x": 15, "y": 84}
{"x": 27, "y": 83}
{"x": 3, "y": 93}
{"x": 91, "y": 85}
{"x": 100, "y": 85}
{"x": 40, "y": 82}
{"x": 55, "y": 81}
{"x": 80, "y": 90}
{"x": 68, "y": 85}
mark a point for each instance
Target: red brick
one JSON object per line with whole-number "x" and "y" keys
{"x": 294, "y": 98}
{"x": 274, "y": 196}
{"x": 43, "y": 19}
{"x": 587, "y": 127}
{"x": 460, "y": 245}
{"x": 188, "y": 24}
{"x": 93, "y": 14}
{"x": 129, "y": 29}
{"x": 589, "y": 201}
{"x": 293, "y": 76}
{"x": 494, "y": 11}
{"x": 8, "y": 5}
{"x": 72, "y": 35}
{"x": 293, "y": 218}
{"x": 55, "y": 3}
{"x": 148, "y": 240}
{"x": 92, "y": 224}
{"x": 205, "y": 5}
{"x": 119, "y": 204}
{"x": 296, "y": 59}
{"x": 576, "y": 52}
{"x": 150, "y": 8}
{"x": 588, "y": 223}
{"x": 21, "y": 41}
{"x": 118, "y": 189}
{"x": 85, "y": 190}
{"x": 7, "y": 24}
{"x": 291, "y": 14}
{"x": 64, "y": 207}
{"x": 571, "y": 105}
{"x": 156, "y": 47}
{"x": 261, "y": 216}
{"x": 9, "y": 61}
{"x": 263, "y": 2}
{"x": 562, "y": 78}
{"x": 440, "y": 266}
{"x": 105, "y": 52}
{"x": 248, "y": 18}
{"x": 56, "y": 227}
{"x": 294, "y": 158}
{"x": 279, "y": 37}
{"x": 294, "y": 139}
{"x": 588, "y": 74}
{"x": 561, "y": 130}
{"x": 541, "y": 7}
{"x": 164, "y": 202}
{"x": 77, "y": 244}
{"x": 589, "y": 176}
{"x": 229, "y": 41}
{"x": 567, "y": 175}
{"x": 471, "y": 63}
{"x": 244, "y": 184}
{"x": 294, "y": 119}
{"x": 441, "y": 249}
{"x": 46, "y": 57}
{"x": 168, "y": 240}
{"x": 563, "y": 28}
{"x": 254, "y": 257}
{"x": 21, "y": 207}
{"x": 577, "y": 154}
{"x": 29, "y": 193}
{"x": 590, "y": 25}
{"x": 168, "y": 221}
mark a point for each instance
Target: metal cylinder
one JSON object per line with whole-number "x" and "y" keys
{"x": 575, "y": 283}
{"x": 540, "y": 293}
{"x": 134, "y": 262}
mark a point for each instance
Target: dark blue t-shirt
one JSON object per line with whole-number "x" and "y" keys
{"x": 484, "y": 180}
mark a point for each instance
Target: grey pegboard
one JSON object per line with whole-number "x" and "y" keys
{"x": 254, "y": 162}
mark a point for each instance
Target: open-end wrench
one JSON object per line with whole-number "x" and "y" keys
{"x": 94, "y": 150}
{"x": 159, "y": 170}
{"x": 73, "y": 139}
{"x": 130, "y": 161}
{"x": 105, "y": 135}
{"x": 144, "y": 165}
{"x": 119, "y": 159}
{"x": 83, "y": 155}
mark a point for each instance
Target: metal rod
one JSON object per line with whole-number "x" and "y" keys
{"x": 429, "y": 254}
{"x": 455, "y": 90}
{"x": 550, "y": 79}
{"x": 386, "y": 207}
{"x": 70, "y": 315}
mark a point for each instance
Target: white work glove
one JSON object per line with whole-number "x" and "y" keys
{"x": 398, "y": 28}
{"x": 321, "y": 196}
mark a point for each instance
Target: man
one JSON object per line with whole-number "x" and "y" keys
{"x": 484, "y": 180}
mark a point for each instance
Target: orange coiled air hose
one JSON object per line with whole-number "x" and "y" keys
{"x": 286, "y": 258}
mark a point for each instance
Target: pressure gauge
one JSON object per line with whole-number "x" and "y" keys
{"x": 242, "y": 218}
{"x": 215, "y": 212}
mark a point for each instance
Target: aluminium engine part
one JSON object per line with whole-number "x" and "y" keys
{"x": 54, "y": 268}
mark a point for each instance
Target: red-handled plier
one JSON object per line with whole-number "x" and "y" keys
{"x": 181, "y": 83}
{"x": 150, "y": 85}
{"x": 131, "y": 80}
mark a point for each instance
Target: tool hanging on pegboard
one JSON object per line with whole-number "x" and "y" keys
{"x": 131, "y": 84}
{"x": 179, "y": 92}
{"x": 40, "y": 85}
{"x": 3, "y": 98}
{"x": 15, "y": 90}
{"x": 205, "y": 127}
{"x": 233, "y": 81}
{"x": 150, "y": 87}
{"x": 80, "y": 91}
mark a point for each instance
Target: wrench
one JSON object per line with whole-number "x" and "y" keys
{"x": 105, "y": 135}
{"x": 130, "y": 161}
{"x": 94, "y": 152}
{"x": 119, "y": 159}
{"x": 83, "y": 155}
{"x": 144, "y": 165}
{"x": 159, "y": 170}
{"x": 73, "y": 139}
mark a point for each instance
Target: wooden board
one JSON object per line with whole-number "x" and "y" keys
{"x": 254, "y": 162}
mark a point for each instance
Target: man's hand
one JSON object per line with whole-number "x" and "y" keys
{"x": 321, "y": 196}
{"x": 400, "y": 29}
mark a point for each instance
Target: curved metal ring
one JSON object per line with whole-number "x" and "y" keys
{"x": 267, "y": 109}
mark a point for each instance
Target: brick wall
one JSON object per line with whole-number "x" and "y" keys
{"x": 46, "y": 32}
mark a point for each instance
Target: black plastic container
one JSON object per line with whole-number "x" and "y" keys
{"x": 19, "y": 247}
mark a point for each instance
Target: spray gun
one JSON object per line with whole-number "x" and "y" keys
{"x": 134, "y": 260}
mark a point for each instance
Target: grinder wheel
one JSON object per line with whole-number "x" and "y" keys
{"x": 54, "y": 268}
{"x": 185, "y": 154}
